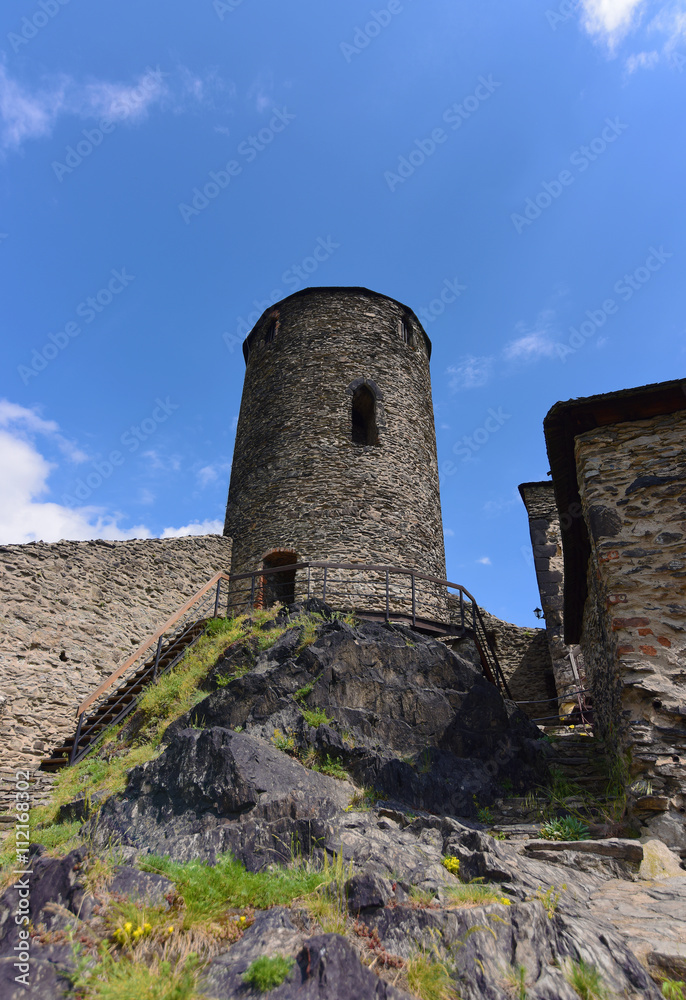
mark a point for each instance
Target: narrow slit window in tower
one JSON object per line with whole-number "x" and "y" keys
{"x": 364, "y": 417}
{"x": 270, "y": 335}
{"x": 405, "y": 331}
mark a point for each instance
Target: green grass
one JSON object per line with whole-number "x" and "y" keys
{"x": 673, "y": 989}
{"x": 209, "y": 890}
{"x": 566, "y": 828}
{"x": 515, "y": 977}
{"x": 586, "y": 981}
{"x": 329, "y": 765}
{"x": 429, "y": 976}
{"x": 476, "y": 894}
{"x": 125, "y": 978}
{"x": 267, "y": 973}
{"x": 316, "y": 717}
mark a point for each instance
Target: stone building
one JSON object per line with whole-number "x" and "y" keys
{"x": 546, "y": 540}
{"x": 618, "y": 464}
{"x": 335, "y": 456}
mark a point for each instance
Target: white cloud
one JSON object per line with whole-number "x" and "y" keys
{"x": 471, "y": 373}
{"x": 642, "y": 60}
{"x": 207, "y": 527}
{"x": 535, "y": 341}
{"x": 24, "y": 518}
{"x": 610, "y": 19}
{"x": 448, "y": 532}
{"x": 31, "y": 113}
{"x": 208, "y": 474}
{"x": 485, "y": 561}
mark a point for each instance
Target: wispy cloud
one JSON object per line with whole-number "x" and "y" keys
{"x": 534, "y": 342}
{"x": 642, "y": 60}
{"x": 28, "y": 112}
{"x": 485, "y": 561}
{"x": 612, "y": 21}
{"x": 471, "y": 373}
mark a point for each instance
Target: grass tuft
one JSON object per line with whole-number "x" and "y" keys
{"x": 210, "y": 890}
{"x": 586, "y": 981}
{"x": 267, "y": 973}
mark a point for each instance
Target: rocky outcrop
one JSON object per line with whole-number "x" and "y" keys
{"x": 243, "y": 772}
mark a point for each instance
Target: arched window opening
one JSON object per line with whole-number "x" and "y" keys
{"x": 272, "y": 329}
{"x": 278, "y": 586}
{"x": 364, "y": 430}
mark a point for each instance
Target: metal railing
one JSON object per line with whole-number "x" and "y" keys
{"x": 373, "y": 592}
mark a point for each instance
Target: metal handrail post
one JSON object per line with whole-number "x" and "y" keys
{"x": 414, "y": 603}
{"x": 462, "y": 610}
{"x": 157, "y": 658}
{"x": 324, "y": 590}
{"x": 216, "y": 600}
{"x": 309, "y": 575}
{"x": 252, "y": 591}
{"x": 388, "y": 611}
{"x": 77, "y": 737}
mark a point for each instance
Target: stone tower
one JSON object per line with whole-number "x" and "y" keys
{"x": 335, "y": 454}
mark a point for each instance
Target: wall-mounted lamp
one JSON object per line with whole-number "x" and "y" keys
{"x": 538, "y": 613}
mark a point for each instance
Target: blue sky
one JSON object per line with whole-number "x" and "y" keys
{"x": 513, "y": 172}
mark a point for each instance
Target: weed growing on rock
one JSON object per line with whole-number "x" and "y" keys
{"x": 430, "y": 976}
{"x": 363, "y": 800}
{"x": 673, "y": 989}
{"x": 302, "y": 693}
{"x": 267, "y": 973}
{"x": 316, "y": 717}
{"x": 586, "y": 981}
{"x": 116, "y": 978}
{"x": 329, "y": 765}
{"x": 452, "y": 865}
{"x": 550, "y": 898}
{"x": 515, "y": 978}
{"x": 475, "y": 894}
{"x": 422, "y": 897}
{"x": 284, "y": 742}
{"x": 567, "y": 828}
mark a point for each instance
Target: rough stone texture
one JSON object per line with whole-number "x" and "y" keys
{"x": 658, "y": 861}
{"x": 326, "y": 966}
{"x": 299, "y": 484}
{"x": 632, "y": 482}
{"x": 546, "y": 539}
{"x": 71, "y": 612}
{"x": 524, "y": 656}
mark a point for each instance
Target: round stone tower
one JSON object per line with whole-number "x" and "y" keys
{"x": 335, "y": 454}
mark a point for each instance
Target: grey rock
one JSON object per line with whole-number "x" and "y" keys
{"x": 216, "y": 791}
{"x": 145, "y": 887}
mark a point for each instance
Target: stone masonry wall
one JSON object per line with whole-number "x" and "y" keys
{"x": 299, "y": 483}
{"x": 546, "y": 539}
{"x": 632, "y": 480}
{"x": 524, "y": 657}
{"x": 71, "y": 612}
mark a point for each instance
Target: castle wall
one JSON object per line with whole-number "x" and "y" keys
{"x": 524, "y": 656}
{"x": 71, "y": 612}
{"x": 632, "y": 482}
{"x": 546, "y": 539}
{"x": 299, "y": 483}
